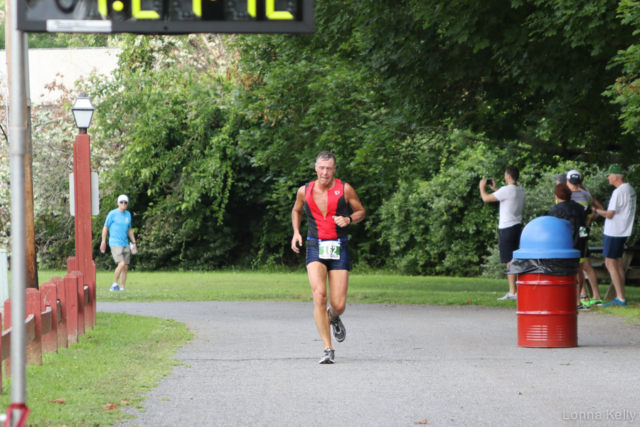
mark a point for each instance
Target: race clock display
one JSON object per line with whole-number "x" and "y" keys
{"x": 166, "y": 16}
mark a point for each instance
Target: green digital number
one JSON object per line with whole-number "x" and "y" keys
{"x": 138, "y": 13}
{"x": 102, "y": 8}
{"x": 273, "y": 15}
{"x": 197, "y": 7}
{"x": 252, "y": 8}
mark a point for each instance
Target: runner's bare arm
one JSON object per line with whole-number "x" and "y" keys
{"x": 296, "y": 216}
{"x": 358, "y": 210}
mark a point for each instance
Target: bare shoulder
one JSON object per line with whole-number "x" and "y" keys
{"x": 348, "y": 190}
{"x": 300, "y": 195}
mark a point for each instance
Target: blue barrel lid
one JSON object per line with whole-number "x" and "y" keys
{"x": 546, "y": 237}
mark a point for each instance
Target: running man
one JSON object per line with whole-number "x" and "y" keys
{"x": 325, "y": 202}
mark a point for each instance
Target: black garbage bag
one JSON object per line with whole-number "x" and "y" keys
{"x": 552, "y": 267}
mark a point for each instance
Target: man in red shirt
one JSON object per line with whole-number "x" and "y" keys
{"x": 325, "y": 202}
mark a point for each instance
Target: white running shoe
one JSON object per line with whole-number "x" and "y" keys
{"x": 327, "y": 357}
{"x": 509, "y": 296}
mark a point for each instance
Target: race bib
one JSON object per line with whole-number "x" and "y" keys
{"x": 583, "y": 232}
{"x": 329, "y": 250}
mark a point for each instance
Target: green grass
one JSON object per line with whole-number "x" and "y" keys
{"x": 121, "y": 358}
{"x": 294, "y": 286}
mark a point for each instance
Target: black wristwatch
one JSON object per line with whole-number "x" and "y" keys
{"x": 350, "y": 220}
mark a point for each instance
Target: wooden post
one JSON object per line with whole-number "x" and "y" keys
{"x": 62, "y": 326}
{"x": 83, "y": 262}
{"x": 34, "y": 349}
{"x": 80, "y": 293}
{"x": 7, "y": 325}
{"x": 72, "y": 264}
{"x": 71, "y": 307}
{"x": 48, "y": 292}
{"x": 30, "y": 235}
{"x": 1, "y": 330}
{"x": 82, "y": 184}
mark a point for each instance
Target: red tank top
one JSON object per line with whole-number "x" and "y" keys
{"x": 321, "y": 227}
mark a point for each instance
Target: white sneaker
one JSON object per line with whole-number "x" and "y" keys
{"x": 122, "y": 289}
{"x": 114, "y": 287}
{"x": 508, "y": 296}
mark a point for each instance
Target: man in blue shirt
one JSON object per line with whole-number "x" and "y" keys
{"x": 118, "y": 224}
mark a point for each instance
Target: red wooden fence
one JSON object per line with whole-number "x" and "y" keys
{"x": 57, "y": 314}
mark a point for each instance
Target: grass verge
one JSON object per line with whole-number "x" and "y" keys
{"x": 294, "y": 286}
{"x": 122, "y": 357}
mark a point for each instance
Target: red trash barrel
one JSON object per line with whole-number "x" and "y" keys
{"x": 547, "y": 312}
{"x": 546, "y": 265}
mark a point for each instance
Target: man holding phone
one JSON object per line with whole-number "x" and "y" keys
{"x": 511, "y": 198}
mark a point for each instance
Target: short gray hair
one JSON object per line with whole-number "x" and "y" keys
{"x": 326, "y": 155}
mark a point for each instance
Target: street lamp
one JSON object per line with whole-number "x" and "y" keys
{"x": 82, "y": 112}
{"x": 84, "y": 195}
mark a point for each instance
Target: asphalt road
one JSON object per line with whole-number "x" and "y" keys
{"x": 256, "y": 364}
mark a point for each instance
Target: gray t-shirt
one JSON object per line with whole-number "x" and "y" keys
{"x": 511, "y": 199}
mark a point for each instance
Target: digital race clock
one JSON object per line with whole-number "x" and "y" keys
{"x": 166, "y": 16}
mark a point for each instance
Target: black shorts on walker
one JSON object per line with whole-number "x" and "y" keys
{"x": 509, "y": 241}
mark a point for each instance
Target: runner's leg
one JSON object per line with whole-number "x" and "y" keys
{"x": 580, "y": 280}
{"x": 318, "y": 280}
{"x": 338, "y": 285}
{"x": 593, "y": 279}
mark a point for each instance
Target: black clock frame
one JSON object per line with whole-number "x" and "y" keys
{"x": 161, "y": 27}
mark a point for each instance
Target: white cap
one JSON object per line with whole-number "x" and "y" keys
{"x": 573, "y": 177}
{"x": 122, "y": 198}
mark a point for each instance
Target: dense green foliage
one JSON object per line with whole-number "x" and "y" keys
{"x": 626, "y": 90}
{"x": 418, "y": 99}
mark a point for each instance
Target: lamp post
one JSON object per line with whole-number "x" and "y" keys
{"x": 82, "y": 110}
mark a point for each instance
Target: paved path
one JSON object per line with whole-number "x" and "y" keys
{"x": 255, "y": 364}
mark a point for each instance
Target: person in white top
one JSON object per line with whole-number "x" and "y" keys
{"x": 617, "y": 227}
{"x": 511, "y": 198}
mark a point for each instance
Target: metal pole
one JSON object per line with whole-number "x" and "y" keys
{"x": 17, "y": 140}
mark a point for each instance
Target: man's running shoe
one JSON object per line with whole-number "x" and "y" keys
{"x": 592, "y": 302}
{"x": 327, "y": 357}
{"x": 508, "y": 296}
{"x": 339, "y": 332}
{"x": 615, "y": 303}
{"x": 583, "y": 307}
{"x": 114, "y": 287}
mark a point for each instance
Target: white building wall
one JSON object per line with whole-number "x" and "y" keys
{"x": 70, "y": 64}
